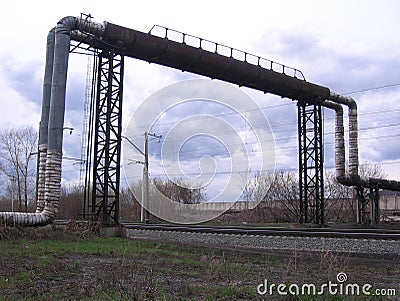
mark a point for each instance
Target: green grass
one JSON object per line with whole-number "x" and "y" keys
{"x": 66, "y": 268}
{"x": 168, "y": 259}
{"x": 105, "y": 246}
{"x": 45, "y": 261}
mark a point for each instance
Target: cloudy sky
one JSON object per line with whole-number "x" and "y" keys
{"x": 352, "y": 47}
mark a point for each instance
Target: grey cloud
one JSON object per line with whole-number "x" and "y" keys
{"x": 339, "y": 69}
{"x": 23, "y": 78}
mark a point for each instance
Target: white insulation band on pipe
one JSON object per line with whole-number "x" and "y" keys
{"x": 52, "y": 189}
{"x": 53, "y": 183}
{"x": 41, "y": 178}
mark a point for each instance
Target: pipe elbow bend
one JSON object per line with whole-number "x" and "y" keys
{"x": 69, "y": 22}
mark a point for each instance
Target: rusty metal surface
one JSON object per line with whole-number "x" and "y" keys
{"x": 179, "y": 55}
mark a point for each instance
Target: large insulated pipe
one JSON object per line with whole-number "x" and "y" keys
{"x": 181, "y": 56}
{"x": 340, "y": 153}
{"x": 51, "y": 129}
{"x": 353, "y": 131}
{"x": 38, "y": 218}
{"x": 353, "y": 178}
{"x": 44, "y": 121}
{"x": 56, "y": 117}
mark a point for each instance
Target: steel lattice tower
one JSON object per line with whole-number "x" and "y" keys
{"x": 107, "y": 138}
{"x": 311, "y": 184}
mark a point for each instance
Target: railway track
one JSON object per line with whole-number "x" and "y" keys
{"x": 377, "y": 234}
{"x": 378, "y": 243}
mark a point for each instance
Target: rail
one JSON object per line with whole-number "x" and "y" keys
{"x": 380, "y": 234}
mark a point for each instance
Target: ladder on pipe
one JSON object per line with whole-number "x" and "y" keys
{"x": 87, "y": 132}
{"x": 85, "y": 122}
{"x": 86, "y": 109}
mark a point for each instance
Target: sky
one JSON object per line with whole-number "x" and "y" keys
{"x": 352, "y": 47}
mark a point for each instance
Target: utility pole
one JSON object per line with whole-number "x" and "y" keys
{"x": 145, "y": 190}
{"x": 144, "y": 213}
{"x": 143, "y": 176}
{"x": 13, "y": 180}
{"x": 12, "y": 193}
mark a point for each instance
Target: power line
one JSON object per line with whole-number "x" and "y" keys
{"x": 291, "y": 104}
{"x": 328, "y": 133}
{"x": 222, "y": 147}
{"x": 274, "y": 124}
{"x": 229, "y": 172}
{"x": 371, "y": 89}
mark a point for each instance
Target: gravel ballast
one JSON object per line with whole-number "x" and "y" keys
{"x": 258, "y": 242}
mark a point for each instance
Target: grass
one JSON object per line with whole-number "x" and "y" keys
{"x": 65, "y": 267}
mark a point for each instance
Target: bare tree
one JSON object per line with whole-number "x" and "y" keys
{"x": 340, "y": 203}
{"x": 278, "y": 192}
{"x": 371, "y": 170}
{"x": 178, "y": 191}
{"x": 17, "y": 154}
{"x": 130, "y": 208}
{"x": 71, "y": 205}
{"x": 284, "y": 190}
{"x": 339, "y": 200}
{"x": 256, "y": 188}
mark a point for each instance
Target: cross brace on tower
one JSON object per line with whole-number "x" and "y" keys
{"x": 311, "y": 184}
{"x": 103, "y": 202}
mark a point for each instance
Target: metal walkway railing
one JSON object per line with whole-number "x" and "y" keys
{"x": 210, "y": 46}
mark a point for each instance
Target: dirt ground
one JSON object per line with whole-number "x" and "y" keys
{"x": 76, "y": 265}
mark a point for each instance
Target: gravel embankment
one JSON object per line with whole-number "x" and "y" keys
{"x": 341, "y": 245}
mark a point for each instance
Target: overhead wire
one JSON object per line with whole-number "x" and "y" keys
{"x": 288, "y": 123}
{"x": 273, "y": 124}
{"x": 371, "y": 89}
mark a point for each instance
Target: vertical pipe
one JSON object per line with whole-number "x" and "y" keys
{"x": 353, "y": 132}
{"x": 51, "y": 130}
{"x": 353, "y": 142}
{"x": 339, "y": 138}
{"x": 43, "y": 130}
{"x": 56, "y": 120}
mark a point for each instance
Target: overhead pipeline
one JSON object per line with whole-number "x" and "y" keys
{"x": 352, "y": 178}
{"x": 153, "y": 49}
